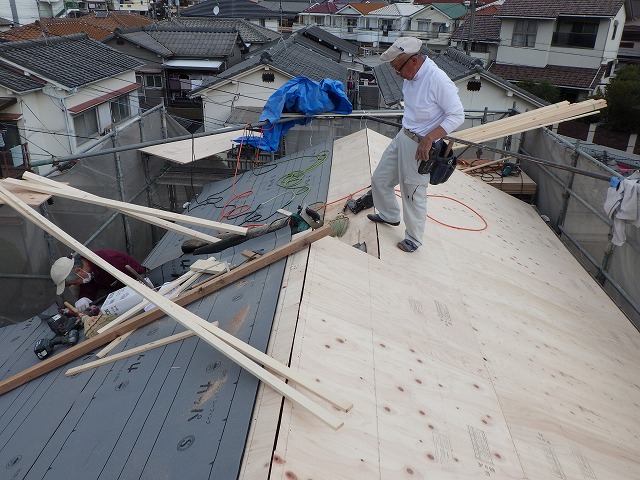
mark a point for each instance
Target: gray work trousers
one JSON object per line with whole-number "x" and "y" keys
{"x": 398, "y": 166}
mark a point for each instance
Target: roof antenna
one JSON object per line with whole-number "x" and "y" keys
{"x": 216, "y": 9}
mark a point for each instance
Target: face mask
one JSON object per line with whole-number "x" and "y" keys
{"x": 88, "y": 278}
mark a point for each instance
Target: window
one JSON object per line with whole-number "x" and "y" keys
{"x": 318, "y": 20}
{"x": 86, "y": 125}
{"x": 120, "y": 108}
{"x": 575, "y": 33}
{"x": 153, "y": 81}
{"x": 524, "y": 33}
{"x": 424, "y": 25}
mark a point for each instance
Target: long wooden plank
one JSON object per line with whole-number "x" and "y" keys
{"x": 524, "y": 124}
{"x": 111, "y": 203}
{"x": 528, "y": 121}
{"x": 206, "y": 288}
{"x": 191, "y": 321}
{"x": 160, "y": 222}
{"x": 128, "y": 353}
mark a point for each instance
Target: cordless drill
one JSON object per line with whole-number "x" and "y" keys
{"x": 66, "y": 329}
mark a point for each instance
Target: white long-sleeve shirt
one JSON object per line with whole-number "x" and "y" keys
{"x": 431, "y": 100}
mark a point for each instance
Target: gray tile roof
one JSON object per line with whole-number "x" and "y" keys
{"x": 249, "y": 32}
{"x": 485, "y": 29}
{"x": 197, "y": 42}
{"x": 555, "y": 8}
{"x": 71, "y": 61}
{"x": 288, "y": 6}
{"x": 290, "y": 57}
{"x": 229, "y": 9}
{"x": 560, "y": 75}
{"x": 16, "y": 81}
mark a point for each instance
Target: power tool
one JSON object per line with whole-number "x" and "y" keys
{"x": 66, "y": 329}
{"x": 363, "y": 203}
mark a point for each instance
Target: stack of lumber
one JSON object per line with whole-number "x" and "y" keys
{"x": 556, "y": 113}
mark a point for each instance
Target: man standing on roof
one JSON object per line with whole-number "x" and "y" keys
{"x": 90, "y": 278}
{"x": 432, "y": 109}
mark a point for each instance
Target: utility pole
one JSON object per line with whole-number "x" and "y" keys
{"x": 472, "y": 5}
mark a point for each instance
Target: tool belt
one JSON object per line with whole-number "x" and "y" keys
{"x": 440, "y": 164}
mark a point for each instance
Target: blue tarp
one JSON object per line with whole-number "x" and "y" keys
{"x": 298, "y": 95}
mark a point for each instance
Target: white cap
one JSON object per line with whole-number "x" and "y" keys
{"x": 60, "y": 270}
{"x": 410, "y": 45}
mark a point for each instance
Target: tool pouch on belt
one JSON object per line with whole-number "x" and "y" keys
{"x": 440, "y": 164}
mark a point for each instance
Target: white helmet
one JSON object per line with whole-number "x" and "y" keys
{"x": 60, "y": 270}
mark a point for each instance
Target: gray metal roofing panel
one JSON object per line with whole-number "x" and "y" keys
{"x": 72, "y": 61}
{"x": 316, "y": 33}
{"x": 325, "y": 50}
{"x": 249, "y": 32}
{"x": 17, "y": 82}
{"x": 180, "y": 411}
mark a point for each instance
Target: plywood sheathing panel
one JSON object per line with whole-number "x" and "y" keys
{"x": 487, "y": 353}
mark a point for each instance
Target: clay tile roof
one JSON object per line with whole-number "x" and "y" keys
{"x": 96, "y": 28}
{"x": 365, "y": 8}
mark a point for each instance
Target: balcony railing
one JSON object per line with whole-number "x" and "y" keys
{"x": 14, "y": 161}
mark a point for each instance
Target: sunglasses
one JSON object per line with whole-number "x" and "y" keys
{"x": 398, "y": 70}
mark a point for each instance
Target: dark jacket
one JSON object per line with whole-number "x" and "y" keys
{"x": 103, "y": 280}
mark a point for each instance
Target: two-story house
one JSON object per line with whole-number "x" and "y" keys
{"x": 572, "y": 44}
{"x": 21, "y": 12}
{"x": 242, "y": 90}
{"x": 180, "y": 55}
{"x": 245, "y": 9}
{"x": 374, "y": 26}
{"x": 60, "y": 96}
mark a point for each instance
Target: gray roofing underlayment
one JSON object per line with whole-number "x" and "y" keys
{"x": 179, "y": 411}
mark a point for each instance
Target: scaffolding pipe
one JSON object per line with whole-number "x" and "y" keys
{"x": 234, "y": 128}
{"x": 548, "y": 163}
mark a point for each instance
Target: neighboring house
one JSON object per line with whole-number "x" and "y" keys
{"x": 135, "y": 6}
{"x": 254, "y": 36}
{"x": 573, "y": 44}
{"x": 480, "y": 36}
{"x": 374, "y": 26}
{"x": 479, "y": 89}
{"x": 21, "y": 12}
{"x": 629, "y": 51}
{"x": 251, "y": 82}
{"x": 181, "y": 52}
{"x": 287, "y": 11}
{"x": 177, "y": 59}
{"x": 96, "y": 26}
{"x": 61, "y": 95}
{"x": 245, "y": 9}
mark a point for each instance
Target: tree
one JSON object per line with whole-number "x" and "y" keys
{"x": 542, "y": 89}
{"x": 623, "y": 101}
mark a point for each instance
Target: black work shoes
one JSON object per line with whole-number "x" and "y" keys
{"x": 374, "y": 217}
